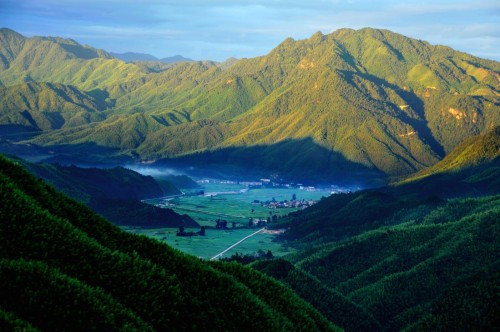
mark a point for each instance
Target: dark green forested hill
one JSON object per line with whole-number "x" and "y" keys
{"x": 115, "y": 193}
{"x": 64, "y": 268}
{"x": 439, "y": 271}
{"x": 405, "y": 256}
{"x": 369, "y": 98}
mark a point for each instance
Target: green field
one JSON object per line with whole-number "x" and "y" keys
{"x": 231, "y": 202}
{"x": 216, "y": 241}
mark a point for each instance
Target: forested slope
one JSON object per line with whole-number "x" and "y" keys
{"x": 99, "y": 277}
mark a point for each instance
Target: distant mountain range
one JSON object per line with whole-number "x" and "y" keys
{"x": 132, "y": 56}
{"x": 334, "y": 106}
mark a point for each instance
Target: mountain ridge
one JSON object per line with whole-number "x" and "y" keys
{"x": 380, "y": 99}
{"x": 133, "y": 56}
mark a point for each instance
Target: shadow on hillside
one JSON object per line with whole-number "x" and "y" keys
{"x": 300, "y": 160}
{"x": 84, "y": 154}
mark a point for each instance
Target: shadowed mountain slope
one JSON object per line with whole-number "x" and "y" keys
{"x": 63, "y": 267}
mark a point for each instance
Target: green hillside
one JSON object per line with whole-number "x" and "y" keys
{"x": 371, "y": 98}
{"x": 45, "y": 106}
{"x": 473, "y": 152}
{"x": 63, "y": 267}
{"x": 114, "y": 193}
{"x": 404, "y": 257}
{"x": 472, "y": 169}
{"x": 439, "y": 271}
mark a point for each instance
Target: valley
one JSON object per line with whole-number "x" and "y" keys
{"x": 345, "y": 181}
{"x": 245, "y": 206}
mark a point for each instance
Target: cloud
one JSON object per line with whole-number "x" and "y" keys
{"x": 218, "y": 29}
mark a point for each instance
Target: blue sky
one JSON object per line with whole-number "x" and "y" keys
{"x": 220, "y": 29}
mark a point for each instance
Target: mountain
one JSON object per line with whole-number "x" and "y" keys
{"x": 180, "y": 181}
{"x": 62, "y": 267}
{"x": 405, "y": 256}
{"x": 44, "y": 106}
{"x": 114, "y": 193}
{"x": 19, "y": 51}
{"x": 343, "y": 215}
{"x": 475, "y": 151}
{"x": 175, "y": 58}
{"x": 57, "y": 60}
{"x": 132, "y": 56}
{"x": 370, "y": 99}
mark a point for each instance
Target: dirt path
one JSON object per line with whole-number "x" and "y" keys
{"x": 234, "y": 245}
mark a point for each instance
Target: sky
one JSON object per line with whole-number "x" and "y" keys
{"x": 217, "y": 30}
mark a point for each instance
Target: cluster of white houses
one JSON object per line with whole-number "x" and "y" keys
{"x": 297, "y": 204}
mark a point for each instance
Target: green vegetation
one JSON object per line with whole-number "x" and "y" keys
{"x": 472, "y": 169}
{"x": 405, "y": 256}
{"x": 62, "y": 266}
{"x": 215, "y": 241}
{"x": 419, "y": 254}
{"x": 476, "y": 151}
{"x": 114, "y": 193}
{"x": 331, "y": 303}
{"x": 180, "y": 181}
{"x": 397, "y": 274}
{"x": 369, "y": 100}
{"x": 45, "y": 106}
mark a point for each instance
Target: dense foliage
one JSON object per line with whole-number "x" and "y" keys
{"x": 114, "y": 193}
{"x": 63, "y": 266}
{"x": 405, "y": 256}
{"x": 410, "y": 274}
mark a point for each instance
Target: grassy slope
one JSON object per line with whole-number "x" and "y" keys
{"x": 364, "y": 94}
{"x": 474, "y": 151}
{"x": 46, "y": 106}
{"x": 52, "y": 244}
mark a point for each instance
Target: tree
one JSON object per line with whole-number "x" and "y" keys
{"x": 294, "y": 197}
{"x": 234, "y": 224}
{"x": 202, "y": 231}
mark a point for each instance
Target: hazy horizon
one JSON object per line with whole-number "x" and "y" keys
{"x": 217, "y": 30}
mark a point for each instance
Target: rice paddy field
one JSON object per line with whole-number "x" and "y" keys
{"x": 232, "y": 202}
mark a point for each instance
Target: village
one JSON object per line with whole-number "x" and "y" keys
{"x": 293, "y": 203}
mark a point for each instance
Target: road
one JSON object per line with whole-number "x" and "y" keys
{"x": 234, "y": 245}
